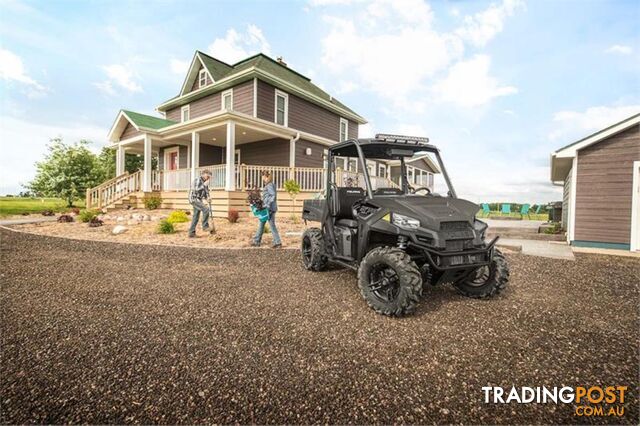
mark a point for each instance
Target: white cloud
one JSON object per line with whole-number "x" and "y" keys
{"x": 576, "y": 124}
{"x": 23, "y": 142}
{"x": 469, "y": 84}
{"x": 346, "y": 86}
{"x": 620, "y": 49}
{"x": 179, "y": 67}
{"x": 120, "y": 75}
{"x": 236, "y": 46}
{"x": 12, "y": 69}
{"x": 392, "y": 49}
{"x": 480, "y": 28}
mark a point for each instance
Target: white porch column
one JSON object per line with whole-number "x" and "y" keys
{"x": 120, "y": 160}
{"x": 195, "y": 154}
{"x": 146, "y": 174}
{"x": 230, "y": 174}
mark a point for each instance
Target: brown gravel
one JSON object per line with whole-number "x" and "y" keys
{"x": 110, "y": 333}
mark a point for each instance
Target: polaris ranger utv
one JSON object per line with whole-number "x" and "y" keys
{"x": 399, "y": 238}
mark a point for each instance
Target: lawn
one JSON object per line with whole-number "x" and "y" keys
{"x": 530, "y": 216}
{"x": 19, "y": 205}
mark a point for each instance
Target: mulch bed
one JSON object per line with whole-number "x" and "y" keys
{"x": 114, "y": 333}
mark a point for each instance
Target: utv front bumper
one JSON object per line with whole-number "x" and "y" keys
{"x": 442, "y": 260}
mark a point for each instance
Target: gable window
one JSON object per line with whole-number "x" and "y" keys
{"x": 282, "y": 108}
{"x": 227, "y": 100}
{"x": 202, "y": 78}
{"x": 344, "y": 130}
{"x": 184, "y": 116}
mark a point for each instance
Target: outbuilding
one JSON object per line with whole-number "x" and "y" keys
{"x": 600, "y": 175}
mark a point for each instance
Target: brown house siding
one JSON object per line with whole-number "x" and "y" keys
{"x": 270, "y": 152}
{"x": 129, "y": 132}
{"x": 604, "y": 188}
{"x": 316, "y": 158}
{"x": 210, "y": 155}
{"x": 353, "y": 129}
{"x": 266, "y": 101}
{"x": 243, "y": 97}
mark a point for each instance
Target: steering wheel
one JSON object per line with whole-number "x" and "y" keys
{"x": 422, "y": 188}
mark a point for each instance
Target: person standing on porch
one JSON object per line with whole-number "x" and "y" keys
{"x": 198, "y": 194}
{"x": 270, "y": 202}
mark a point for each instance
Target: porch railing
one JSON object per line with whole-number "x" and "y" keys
{"x": 113, "y": 190}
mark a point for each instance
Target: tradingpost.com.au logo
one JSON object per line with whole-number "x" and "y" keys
{"x": 590, "y": 401}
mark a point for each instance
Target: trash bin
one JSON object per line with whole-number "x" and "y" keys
{"x": 555, "y": 211}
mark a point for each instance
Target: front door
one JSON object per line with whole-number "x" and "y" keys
{"x": 173, "y": 161}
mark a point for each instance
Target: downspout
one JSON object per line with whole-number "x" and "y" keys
{"x": 292, "y": 155}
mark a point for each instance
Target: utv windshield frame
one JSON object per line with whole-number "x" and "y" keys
{"x": 383, "y": 149}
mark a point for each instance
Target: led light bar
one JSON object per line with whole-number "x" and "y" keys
{"x": 417, "y": 140}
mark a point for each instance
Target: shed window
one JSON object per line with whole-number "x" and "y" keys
{"x": 282, "y": 107}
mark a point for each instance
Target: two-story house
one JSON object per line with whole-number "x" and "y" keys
{"x": 235, "y": 120}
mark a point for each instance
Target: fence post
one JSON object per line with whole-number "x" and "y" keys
{"x": 243, "y": 178}
{"x": 87, "y": 201}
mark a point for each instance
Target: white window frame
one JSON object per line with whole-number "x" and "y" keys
{"x": 325, "y": 158}
{"x": 286, "y": 107}
{"x": 374, "y": 170}
{"x": 225, "y": 94}
{"x": 346, "y": 130}
{"x": 202, "y": 75}
{"x": 382, "y": 170}
{"x": 182, "y": 111}
{"x": 224, "y": 157}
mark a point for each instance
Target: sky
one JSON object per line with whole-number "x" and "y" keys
{"x": 496, "y": 85}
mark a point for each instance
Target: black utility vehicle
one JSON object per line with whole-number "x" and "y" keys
{"x": 400, "y": 238}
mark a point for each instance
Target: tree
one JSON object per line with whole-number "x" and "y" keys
{"x": 293, "y": 188}
{"x": 132, "y": 162}
{"x": 67, "y": 171}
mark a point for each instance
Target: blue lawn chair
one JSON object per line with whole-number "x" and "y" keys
{"x": 524, "y": 210}
{"x": 485, "y": 210}
{"x": 506, "y": 209}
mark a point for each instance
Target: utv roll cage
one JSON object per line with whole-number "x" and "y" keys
{"x": 384, "y": 147}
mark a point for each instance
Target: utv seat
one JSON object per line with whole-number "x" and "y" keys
{"x": 344, "y": 201}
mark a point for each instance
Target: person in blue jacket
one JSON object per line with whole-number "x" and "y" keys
{"x": 270, "y": 202}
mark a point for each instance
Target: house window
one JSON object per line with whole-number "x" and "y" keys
{"x": 382, "y": 170}
{"x": 344, "y": 130}
{"x": 202, "y": 78}
{"x": 184, "y": 113}
{"x": 227, "y": 100}
{"x": 371, "y": 167}
{"x": 282, "y": 108}
{"x": 352, "y": 165}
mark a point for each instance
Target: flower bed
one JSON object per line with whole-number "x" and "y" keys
{"x": 142, "y": 226}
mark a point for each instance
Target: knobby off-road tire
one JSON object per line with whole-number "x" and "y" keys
{"x": 389, "y": 281}
{"x": 314, "y": 257}
{"x": 488, "y": 281}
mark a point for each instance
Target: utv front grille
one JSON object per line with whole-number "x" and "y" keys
{"x": 458, "y": 245}
{"x": 456, "y": 230}
{"x": 454, "y": 226}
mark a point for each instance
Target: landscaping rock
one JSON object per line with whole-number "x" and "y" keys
{"x": 133, "y": 222}
{"x": 146, "y": 218}
{"x": 120, "y": 219}
{"x": 119, "y": 229}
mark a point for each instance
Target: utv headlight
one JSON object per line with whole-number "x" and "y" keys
{"x": 404, "y": 222}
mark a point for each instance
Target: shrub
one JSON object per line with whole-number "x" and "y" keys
{"x": 555, "y": 228}
{"x": 86, "y": 215}
{"x": 65, "y": 218}
{"x": 178, "y": 216}
{"x": 166, "y": 227}
{"x": 48, "y": 213}
{"x": 233, "y": 216}
{"x": 294, "y": 218}
{"x": 152, "y": 202}
{"x": 95, "y": 222}
{"x": 74, "y": 210}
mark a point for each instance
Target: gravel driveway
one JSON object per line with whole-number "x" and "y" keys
{"x": 108, "y": 333}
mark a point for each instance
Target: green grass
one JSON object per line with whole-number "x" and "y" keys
{"x": 17, "y": 205}
{"x": 531, "y": 216}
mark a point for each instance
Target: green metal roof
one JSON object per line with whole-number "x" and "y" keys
{"x": 220, "y": 70}
{"x": 216, "y": 68}
{"x": 148, "y": 121}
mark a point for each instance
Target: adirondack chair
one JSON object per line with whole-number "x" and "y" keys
{"x": 506, "y": 209}
{"x": 524, "y": 210}
{"x": 538, "y": 209}
{"x": 485, "y": 210}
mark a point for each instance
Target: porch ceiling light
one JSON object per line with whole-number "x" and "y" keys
{"x": 244, "y": 133}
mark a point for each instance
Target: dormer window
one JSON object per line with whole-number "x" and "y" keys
{"x": 282, "y": 108}
{"x": 184, "y": 116}
{"x": 202, "y": 78}
{"x": 344, "y": 130}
